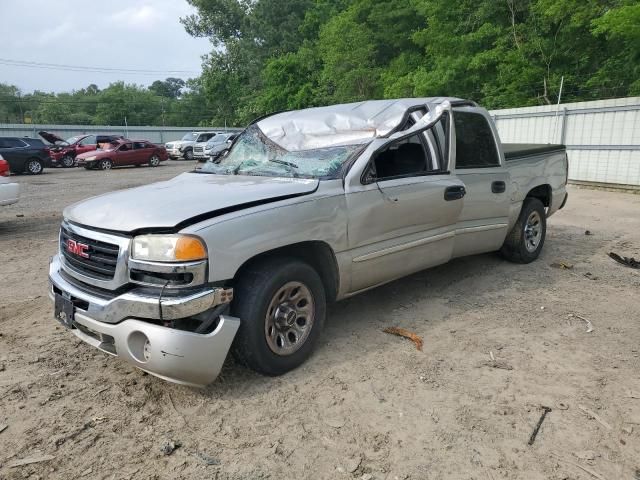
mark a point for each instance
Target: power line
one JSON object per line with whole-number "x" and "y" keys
{"x": 84, "y": 68}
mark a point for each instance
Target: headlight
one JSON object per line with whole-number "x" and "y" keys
{"x": 168, "y": 248}
{"x": 89, "y": 159}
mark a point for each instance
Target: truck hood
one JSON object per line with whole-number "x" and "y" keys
{"x": 183, "y": 200}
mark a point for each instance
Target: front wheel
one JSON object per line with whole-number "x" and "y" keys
{"x": 67, "y": 161}
{"x": 34, "y": 166}
{"x": 281, "y": 304}
{"x": 525, "y": 241}
{"x": 105, "y": 164}
{"x": 154, "y": 161}
{"x": 188, "y": 154}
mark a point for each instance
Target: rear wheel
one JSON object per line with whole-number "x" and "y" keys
{"x": 67, "y": 161}
{"x": 525, "y": 241}
{"x": 105, "y": 164}
{"x": 282, "y": 307}
{"x": 154, "y": 161}
{"x": 33, "y": 166}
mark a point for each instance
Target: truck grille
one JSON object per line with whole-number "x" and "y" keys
{"x": 198, "y": 149}
{"x": 100, "y": 260}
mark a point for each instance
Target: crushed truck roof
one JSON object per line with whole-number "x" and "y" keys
{"x": 345, "y": 124}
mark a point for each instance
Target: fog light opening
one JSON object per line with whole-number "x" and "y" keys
{"x": 139, "y": 346}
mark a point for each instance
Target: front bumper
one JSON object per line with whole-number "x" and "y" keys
{"x": 115, "y": 325}
{"x": 9, "y": 193}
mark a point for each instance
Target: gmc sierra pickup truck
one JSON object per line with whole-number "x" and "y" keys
{"x": 305, "y": 207}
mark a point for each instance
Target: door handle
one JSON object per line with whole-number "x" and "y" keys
{"x": 498, "y": 187}
{"x": 455, "y": 192}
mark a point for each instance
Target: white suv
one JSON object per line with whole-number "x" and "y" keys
{"x": 9, "y": 192}
{"x": 184, "y": 148}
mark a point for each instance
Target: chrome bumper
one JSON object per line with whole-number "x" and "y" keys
{"x": 175, "y": 355}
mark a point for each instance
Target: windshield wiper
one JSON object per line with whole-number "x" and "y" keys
{"x": 282, "y": 162}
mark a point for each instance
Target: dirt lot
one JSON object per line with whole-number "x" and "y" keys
{"x": 367, "y": 404}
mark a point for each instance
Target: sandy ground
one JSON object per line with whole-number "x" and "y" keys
{"x": 367, "y": 405}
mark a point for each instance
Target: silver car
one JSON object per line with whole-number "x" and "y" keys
{"x": 307, "y": 207}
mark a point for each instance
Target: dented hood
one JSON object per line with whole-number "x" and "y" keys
{"x": 185, "y": 199}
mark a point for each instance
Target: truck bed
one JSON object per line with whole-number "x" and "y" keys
{"x": 513, "y": 151}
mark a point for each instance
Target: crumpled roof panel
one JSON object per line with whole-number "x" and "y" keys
{"x": 345, "y": 124}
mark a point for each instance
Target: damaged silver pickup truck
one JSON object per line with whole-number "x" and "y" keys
{"x": 305, "y": 208}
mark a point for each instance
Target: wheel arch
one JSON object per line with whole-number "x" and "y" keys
{"x": 541, "y": 192}
{"x": 318, "y": 254}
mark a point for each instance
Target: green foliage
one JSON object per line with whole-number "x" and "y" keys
{"x": 272, "y": 55}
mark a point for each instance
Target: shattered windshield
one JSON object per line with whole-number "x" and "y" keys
{"x": 254, "y": 154}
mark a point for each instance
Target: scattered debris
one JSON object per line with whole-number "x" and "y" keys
{"x": 497, "y": 364}
{"x": 584, "y": 469}
{"x": 3, "y": 427}
{"x": 588, "y": 322}
{"x": 587, "y": 455}
{"x": 334, "y": 422}
{"x": 594, "y": 416}
{"x": 19, "y": 215}
{"x": 401, "y": 332}
{"x": 562, "y": 265}
{"x": 630, "y": 394}
{"x": 627, "y": 261}
{"x": 534, "y": 434}
{"x": 169, "y": 447}
{"x": 207, "y": 459}
{"x": 563, "y": 406}
{"x": 354, "y": 463}
{"x": 628, "y": 430}
{"x": 588, "y": 232}
{"x": 30, "y": 460}
{"x": 590, "y": 276}
{"x": 101, "y": 390}
{"x": 493, "y": 359}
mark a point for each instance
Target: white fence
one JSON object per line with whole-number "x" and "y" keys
{"x": 602, "y": 137}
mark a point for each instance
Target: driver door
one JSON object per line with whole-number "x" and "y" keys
{"x": 125, "y": 155}
{"x": 402, "y": 218}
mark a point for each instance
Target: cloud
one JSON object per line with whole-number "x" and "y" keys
{"x": 54, "y": 34}
{"x": 144, "y": 17}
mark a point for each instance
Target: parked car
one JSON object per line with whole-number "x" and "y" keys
{"x": 123, "y": 152}
{"x": 25, "y": 154}
{"x": 64, "y": 152}
{"x": 9, "y": 192}
{"x": 247, "y": 253}
{"x": 184, "y": 148}
{"x": 214, "y": 147}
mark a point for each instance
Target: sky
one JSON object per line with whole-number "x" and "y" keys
{"x": 115, "y": 34}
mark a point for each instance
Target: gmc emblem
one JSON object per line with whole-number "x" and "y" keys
{"x": 77, "y": 248}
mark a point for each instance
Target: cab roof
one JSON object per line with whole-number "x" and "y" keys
{"x": 344, "y": 124}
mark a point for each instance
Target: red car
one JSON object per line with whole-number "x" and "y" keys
{"x": 123, "y": 152}
{"x": 64, "y": 152}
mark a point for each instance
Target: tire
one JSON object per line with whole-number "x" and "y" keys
{"x": 33, "y": 166}
{"x": 105, "y": 164}
{"x": 67, "y": 161}
{"x": 525, "y": 241}
{"x": 188, "y": 154}
{"x": 265, "y": 343}
{"x": 154, "y": 161}
{"x": 88, "y": 166}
